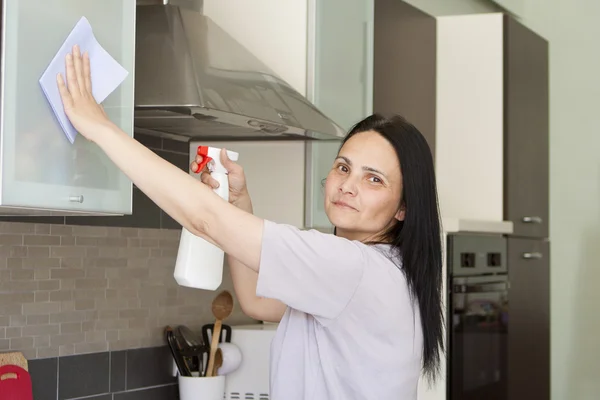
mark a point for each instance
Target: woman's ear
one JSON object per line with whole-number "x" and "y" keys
{"x": 401, "y": 214}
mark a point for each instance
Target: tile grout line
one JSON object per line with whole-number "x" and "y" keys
{"x": 110, "y": 372}
{"x": 146, "y": 388}
{"x": 91, "y": 396}
{"x": 126, "y": 358}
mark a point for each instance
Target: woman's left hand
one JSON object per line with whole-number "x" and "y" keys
{"x": 86, "y": 115}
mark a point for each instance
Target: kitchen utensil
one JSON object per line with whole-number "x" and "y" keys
{"x": 207, "y": 331}
{"x": 15, "y": 383}
{"x": 222, "y": 306}
{"x": 182, "y": 367}
{"x": 193, "y": 348}
{"x": 218, "y": 361}
{"x": 188, "y": 336}
{"x": 232, "y": 358}
{"x": 204, "y": 355}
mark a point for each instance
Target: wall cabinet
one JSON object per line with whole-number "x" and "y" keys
{"x": 324, "y": 50}
{"x": 526, "y": 130}
{"x": 476, "y": 86}
{"x": 529, "y": 333}
{"x": 42, "y": 173}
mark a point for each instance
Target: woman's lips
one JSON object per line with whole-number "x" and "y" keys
{"x": 341, "y": 204}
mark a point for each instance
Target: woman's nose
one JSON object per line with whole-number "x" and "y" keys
{"x": 348, "y": 186}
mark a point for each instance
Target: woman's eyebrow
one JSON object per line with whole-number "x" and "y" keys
{"x": 368, "y": 169}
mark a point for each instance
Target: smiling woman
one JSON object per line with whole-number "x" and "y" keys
{"x": 359, "y": 311}
{"x": 366, "y": 164}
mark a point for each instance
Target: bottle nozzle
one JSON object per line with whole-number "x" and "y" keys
{"x": 211, "y": 156}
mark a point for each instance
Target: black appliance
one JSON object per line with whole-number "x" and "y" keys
{"x": 478, "y": 317}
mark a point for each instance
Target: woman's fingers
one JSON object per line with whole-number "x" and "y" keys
{"x": 209, "y": 180}
{"x": 66, "y": 97}
{"x": 78, "y": 66}
{"x": 206, "y": 178}
{"x": 73, "y": 86}
{"x": 194, "y": 165}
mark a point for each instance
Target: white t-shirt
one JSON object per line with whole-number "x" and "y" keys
{"x": 351, "y": 330}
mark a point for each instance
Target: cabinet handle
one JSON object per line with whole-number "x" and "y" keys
{"x": 487, "y": 287}
{"x": 76, "y": 199}
{"x": 532, "y": 220}
{"x": 534, "y": 255}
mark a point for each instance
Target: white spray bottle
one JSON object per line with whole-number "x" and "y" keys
{"x": 200, "y": 263}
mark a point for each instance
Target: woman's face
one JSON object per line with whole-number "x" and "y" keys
{"x": 363, "y": 189}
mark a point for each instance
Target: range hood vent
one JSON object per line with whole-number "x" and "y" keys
{"x": 194, "y": 81}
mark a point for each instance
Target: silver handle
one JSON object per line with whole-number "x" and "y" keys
{"x": 76, "y": 199}
{"x": 488, "y": 287}
{"x": 532, "y": 220}
{"x": 533, "y": 255}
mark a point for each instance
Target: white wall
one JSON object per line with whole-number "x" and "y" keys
{"x": 275, "y": 177}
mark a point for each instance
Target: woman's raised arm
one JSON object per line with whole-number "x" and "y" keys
{"x": 189, "y": 202}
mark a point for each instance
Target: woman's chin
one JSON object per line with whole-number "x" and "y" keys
{"x": 341, "y": 221}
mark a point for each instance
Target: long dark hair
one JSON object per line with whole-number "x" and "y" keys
{"x": 416, "y": 240}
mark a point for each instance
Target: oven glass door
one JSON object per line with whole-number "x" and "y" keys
{"x": 478, "y": 345}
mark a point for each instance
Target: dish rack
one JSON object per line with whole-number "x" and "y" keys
{"x": 251, "y": 380}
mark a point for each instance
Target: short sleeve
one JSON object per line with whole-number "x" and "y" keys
{"x": 310, "y": 271}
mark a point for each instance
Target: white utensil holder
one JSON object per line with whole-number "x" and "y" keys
{"x": 201, "y": 388}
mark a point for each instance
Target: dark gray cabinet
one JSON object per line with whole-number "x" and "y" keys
{"x": 526, "y": 121}
{"x": 529, "y": 319}
{"x": 405, "y": 65}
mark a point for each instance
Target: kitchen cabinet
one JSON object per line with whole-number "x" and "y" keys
{"x": 529, "y": 315}
{"x": 445, "y": 76}
{"x": 526, "y": 183}
{"x": 42, "y": 173}
{"x": 405, "y": 82}
{"x": 340, "y": 58}
{"x": 476, "y": 86}
{"x": 324, "y": 50}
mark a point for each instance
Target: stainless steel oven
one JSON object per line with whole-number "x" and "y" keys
{"x": 478, "y": 317}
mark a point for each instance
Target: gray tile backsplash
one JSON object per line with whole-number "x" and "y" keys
{"x": 72, "y": 289}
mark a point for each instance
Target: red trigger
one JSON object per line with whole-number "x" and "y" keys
{"x": 203, "y": 151}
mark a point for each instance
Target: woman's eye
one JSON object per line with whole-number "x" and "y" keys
{"x": 375, "y": 179}
{"x": 342, "y": 168}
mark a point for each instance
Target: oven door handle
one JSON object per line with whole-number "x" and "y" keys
{"x": 487, "y": 287}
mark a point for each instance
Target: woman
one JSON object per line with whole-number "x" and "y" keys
{"x": 360, "y": 311}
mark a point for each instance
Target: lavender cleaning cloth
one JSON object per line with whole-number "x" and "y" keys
{"x": 107, "y": 73}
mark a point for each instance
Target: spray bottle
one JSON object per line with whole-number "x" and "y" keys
{"x": 200, "y": 263}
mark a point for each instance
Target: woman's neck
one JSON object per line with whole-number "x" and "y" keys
{"x": 364, "y": 237}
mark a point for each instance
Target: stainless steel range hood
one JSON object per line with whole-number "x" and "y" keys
{"x": 193, "y": 80}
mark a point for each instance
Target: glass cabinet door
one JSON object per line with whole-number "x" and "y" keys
{"x": 339, "y": 83}
{"x": 40, "y": 168}
{"x": 340, "y": 61}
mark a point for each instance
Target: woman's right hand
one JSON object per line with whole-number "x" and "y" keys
{"x": 238, "y": 192}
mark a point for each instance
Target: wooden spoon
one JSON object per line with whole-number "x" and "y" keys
{"x": 222, "y": 307}
{"x": 218, "y": 361}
